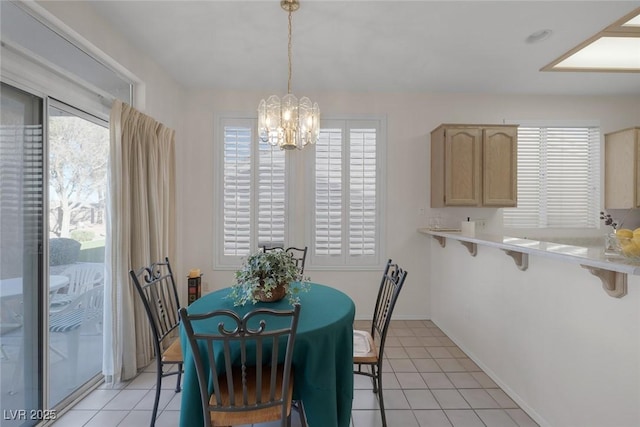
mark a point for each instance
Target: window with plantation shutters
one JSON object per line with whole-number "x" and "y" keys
{"x": 336, "y": 212}
{"x": 252, "y": 208}
{"x": 558, "y": 178}
{"x": 347, "y": 193}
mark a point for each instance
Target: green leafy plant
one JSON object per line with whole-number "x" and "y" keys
{"x": 265, "y": 271}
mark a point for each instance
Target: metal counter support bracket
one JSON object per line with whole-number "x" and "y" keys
{"x": 521, "y": 259}
{"x": 471, "y": 247}
{"x": 441, "y": 239}
{"x": 614, "y": 283}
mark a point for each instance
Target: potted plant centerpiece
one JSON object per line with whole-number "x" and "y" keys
{"x": 268, "y": 277}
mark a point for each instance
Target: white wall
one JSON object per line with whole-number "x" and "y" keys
{"x": 550, "y": 336}
{"x": 410, "y": 118}
{"x": 567, "y": 352}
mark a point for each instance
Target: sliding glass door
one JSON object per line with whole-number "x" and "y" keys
{"x": 21, "y": 255}
{"x": 78, "y": 152}
{"x": 53, "y": 229}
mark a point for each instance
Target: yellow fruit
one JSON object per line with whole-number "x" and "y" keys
{"x": 625, "y": 232}
{"x": 636, "y": 232}
{"x": 626, "y": 245}
{"x": 631, "y": 249}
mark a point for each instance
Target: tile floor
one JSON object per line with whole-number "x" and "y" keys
{"x": 428, "y": 382}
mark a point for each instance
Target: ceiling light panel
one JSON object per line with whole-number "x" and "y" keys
{"x": 606, "y": 53}
{"x": 616, "y": 48}
{"x": 634, "y": 22}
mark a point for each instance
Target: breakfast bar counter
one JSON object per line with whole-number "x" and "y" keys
{"x": 612, "y": 270}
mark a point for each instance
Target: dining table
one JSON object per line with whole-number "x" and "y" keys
{"x": 322, "y": 356}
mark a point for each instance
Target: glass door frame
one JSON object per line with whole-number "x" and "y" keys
{"x": 31, "y": 360}
{"x": 91, "y": 383}
{"x": 39, "y": 319}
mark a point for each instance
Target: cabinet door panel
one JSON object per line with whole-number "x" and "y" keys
{"x": 500, "y": 149}
{"x": 621, "y": 170}
{"x": 462, "y": 166}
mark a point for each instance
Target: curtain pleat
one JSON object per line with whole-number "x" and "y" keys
{"x": 142, "y": 230}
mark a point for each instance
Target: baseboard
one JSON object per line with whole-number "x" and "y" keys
{"x": 512, "y": 394}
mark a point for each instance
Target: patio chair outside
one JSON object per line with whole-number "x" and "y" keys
{"x": 85, "y": 311}
{"x": 82, "y": 277}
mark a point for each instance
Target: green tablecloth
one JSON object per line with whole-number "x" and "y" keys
{"x": 322, "y": 359}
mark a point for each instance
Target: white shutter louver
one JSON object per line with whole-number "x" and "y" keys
{"x": 271, "y": 195}
{"x": 558, "y": 178}
{"x": 570, "y": 185}
{"x": 21, "y": 160}
{"x": 530, "y": 178}
{"x": 237, "y": 191}
{"x": 328, "y": 193}
{"x": 362, "y": 192}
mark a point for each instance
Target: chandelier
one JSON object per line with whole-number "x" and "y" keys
{"x": 291, "y": 122}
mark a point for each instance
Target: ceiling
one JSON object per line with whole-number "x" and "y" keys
{"x": 372, "y": 46}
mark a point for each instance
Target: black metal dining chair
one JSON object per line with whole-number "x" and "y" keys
{"x": 368, "y": 347}
{"x": 157, "y": 289}
{"x": 298, "y": 254}
{"x": 241, "y": 362}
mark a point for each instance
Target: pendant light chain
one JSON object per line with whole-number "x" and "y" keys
{"x": 289, "y": 54}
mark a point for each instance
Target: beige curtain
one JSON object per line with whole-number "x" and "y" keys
{"x": 142, "y": 230}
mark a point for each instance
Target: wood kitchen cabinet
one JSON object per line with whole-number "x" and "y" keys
{"x": 474, "y": 165}
{"x": 622, "y": 169}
